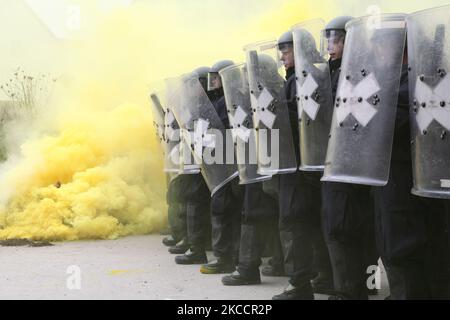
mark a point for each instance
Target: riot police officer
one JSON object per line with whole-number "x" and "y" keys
{"x": 260, "y": 209}
{"x": 347, "y": 208}
{"x": 299, "y": 204}
{"x": 226, "y": 203}
{"x": 175, "y": 205}
{"x": 411, "y": 230}
{"x": 197, "y": 206}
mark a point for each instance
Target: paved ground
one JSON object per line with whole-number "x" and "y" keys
{"x": 129, "y": 268}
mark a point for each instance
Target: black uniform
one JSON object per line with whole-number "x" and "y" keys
{"x": 197, "y": 212}
{"x": 299, "y": 209}
{"x": 259, "y": 214}
{"x": 227, "y": 202}
{"x": 411, "y": 231}
{"x": 447, "y": 210}
{"x": 348, "y": 227}
{"x": 176, "y": 202}
{"x": 273, "y": 241}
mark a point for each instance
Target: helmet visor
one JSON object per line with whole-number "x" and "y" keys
{"x": 214, "y": 81}
{"x": 333, "y": 42}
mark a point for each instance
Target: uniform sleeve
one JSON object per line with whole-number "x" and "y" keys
{"x": 402, "y": 135}
{"x": 291, "y": 96}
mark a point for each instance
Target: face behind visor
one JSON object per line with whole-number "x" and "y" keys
{"x": 286, "y": 48}
{"x": 334, "y": 43}
{"x": 214, "y": 79}
{"x": 202, "y": 73}
{"x": 333, "y": 37}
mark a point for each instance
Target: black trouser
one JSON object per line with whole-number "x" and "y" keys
{"x": 348, "y": 225}
{"x": 272, "y": 188}
{"x": 177, "y": 220}
{"x": 299, "y": 203}
{"x": 260, "y": 212}
{"x": 226, "y": 210}
{"x": 447, "y": 209}
{"x": 412, "y": 238}
{"x": 322, "y": 262}
{"x": 277, "y": 258}
{"x": 177, "y": 207}
{"x": 197, "y": 211}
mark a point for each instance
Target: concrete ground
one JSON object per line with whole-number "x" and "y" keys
{"x": 130, "y": 268}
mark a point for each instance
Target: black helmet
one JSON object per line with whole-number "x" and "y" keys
{"x": 336, "y": 27}
{"x": 286, "y": 40}
{"x": 213, "y": 74}
{"x": 202, "y": 74}
{"x": 220, "y": 65}
{"x": 338, "y": 23}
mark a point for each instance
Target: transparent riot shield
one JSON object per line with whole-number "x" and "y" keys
{"x": 210, "y": 143}
{"x": 360, "y": 145}
{"x": 187, "y": 162}
{"x": 172, "y": 152}
{"x": 237, "y": 97}
{"x": 158, "y": 116}
{"x": 429, "y": 81}
{"x": 180, "y": 151}
{"x": 275, "y": 146}
{"x": 314, "y": 94}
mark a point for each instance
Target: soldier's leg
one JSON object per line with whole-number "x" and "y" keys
{"x": 177, "y": 218}
{"x": 344, "y": 222}
{"x": 171, "y": 240}
{"x": 258, "y": 209}
{"x": 401, "y": 226}
{"x": 323, "y": 281}
{"x": 172, "y": 214}
{"x": 181, "y": 230}
{"x": 447, "y": 210}
{"x": 370, "y": 247}
{"x": 437, "y": 250}
{"x": 221, "y": 226}
{"x": 225, "y": 216}
{"x": 178, "y": 215}
{"x": 370, "y": 250}
{"x": 296, "y": 232}
{"x": 236, "y": 215}
{"x": 198, "y": 225}
{"x": 276, "y": 262}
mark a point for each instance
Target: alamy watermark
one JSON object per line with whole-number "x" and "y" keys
{"x": 239, "y": 146}
{"x": 374, "y": 279}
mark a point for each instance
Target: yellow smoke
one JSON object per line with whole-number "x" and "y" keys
{"x": 90, "y": 166}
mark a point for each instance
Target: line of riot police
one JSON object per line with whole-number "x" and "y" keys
{"x": 341, "y": 158}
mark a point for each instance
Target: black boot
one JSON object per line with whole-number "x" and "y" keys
{"x": 323, "y": 284}
{"x": 169, "y": 241}
{"x": 192, "y": 257}
{"x": 237, "y": 279}
{"x": 221, "y": 265}
{"x": 180, "y": 248}
{"x": 296, "y": 293}
{"x": 273, "y": 271}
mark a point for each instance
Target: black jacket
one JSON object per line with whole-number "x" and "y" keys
{"x": 335, "y": 72}
{"x": 218, "y": 100}
{"x": 401, "y": 150}
{"x": 291, "y": 97}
